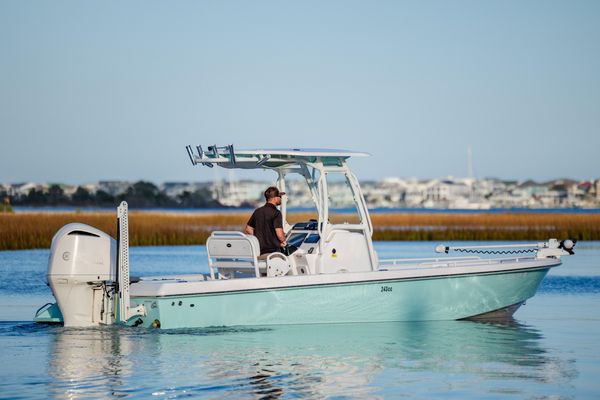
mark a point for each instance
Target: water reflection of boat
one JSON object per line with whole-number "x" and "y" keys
{"x": 306, "y": 361}
{"x": 89, "y": 363}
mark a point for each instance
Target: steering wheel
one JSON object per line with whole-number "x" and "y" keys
{"x": 289, "y": 249}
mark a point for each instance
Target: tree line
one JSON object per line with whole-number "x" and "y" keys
{"x": 140, "y": 195}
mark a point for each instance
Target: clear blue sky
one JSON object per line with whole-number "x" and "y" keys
{"x": 115, "y": 90}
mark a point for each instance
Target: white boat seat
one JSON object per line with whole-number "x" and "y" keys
{"x": 231, "y": 251}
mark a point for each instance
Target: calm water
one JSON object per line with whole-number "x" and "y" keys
{"x": 551, "y": 349}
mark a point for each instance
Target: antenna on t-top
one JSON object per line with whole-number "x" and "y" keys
{"x": 470, "y": 162}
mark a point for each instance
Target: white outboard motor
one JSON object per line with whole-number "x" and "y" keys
{"x": 82, "y": 275}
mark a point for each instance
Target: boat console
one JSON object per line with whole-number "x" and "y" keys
{"x": 303, "y": 235}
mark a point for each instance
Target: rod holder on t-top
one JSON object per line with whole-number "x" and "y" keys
{"x": 551, "y": 248}
{"x": 213, "y": 152}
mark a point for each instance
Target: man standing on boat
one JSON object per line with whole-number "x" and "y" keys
{"x": 266, "y": 223}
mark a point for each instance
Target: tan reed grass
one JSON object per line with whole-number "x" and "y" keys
{"x": 35, "y": 230}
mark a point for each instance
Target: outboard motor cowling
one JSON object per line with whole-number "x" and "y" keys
{"x": 82, "y": 274}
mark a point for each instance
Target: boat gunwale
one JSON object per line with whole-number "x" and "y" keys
{"x": 161, "y": 285}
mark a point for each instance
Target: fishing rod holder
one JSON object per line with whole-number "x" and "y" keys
{"x": 213, "y": 154}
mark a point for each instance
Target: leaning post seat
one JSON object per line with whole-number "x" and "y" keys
{"x": 231, "y": 251}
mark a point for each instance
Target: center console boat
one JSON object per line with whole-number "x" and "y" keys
{"x": 330, "y": 274}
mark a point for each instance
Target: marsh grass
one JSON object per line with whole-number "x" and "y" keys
{"x": 35, "y": 230}
{"x": 509, "y": 226}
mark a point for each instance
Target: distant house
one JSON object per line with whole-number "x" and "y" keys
{"x": 441, "y": 193}
{"x": 237, "y": 193}
{"x": 390, "y": 192}
{"x": 113, "y": 188}
{"x": 174, "y": 189}
{"x": 69, "y": 190}
{"x": 23, "y": 189}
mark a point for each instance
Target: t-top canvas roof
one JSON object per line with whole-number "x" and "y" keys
{"x": 227, "y": 157}
{"x": 309, "y": 153}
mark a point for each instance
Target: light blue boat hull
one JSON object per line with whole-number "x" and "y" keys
{"x": 48, "y": 314}
{"x": 439, "y": 298}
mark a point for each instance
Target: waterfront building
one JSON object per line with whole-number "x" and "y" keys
{"x": 391, "y": 192}
{"x": 113, "y": 188}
